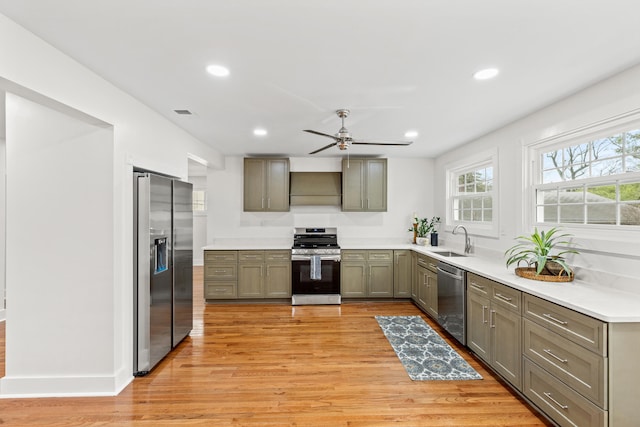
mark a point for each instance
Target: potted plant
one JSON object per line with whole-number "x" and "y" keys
{"x": 536, "y": 251}
{"x": 422, "y": 228}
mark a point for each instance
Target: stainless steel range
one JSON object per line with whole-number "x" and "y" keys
{"x": 315, "y": 266}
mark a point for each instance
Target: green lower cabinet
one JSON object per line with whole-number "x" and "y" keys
{"x": 353, "y": 279}
{"x": 422, "y": 290}
{"x": 278, "y": 280}
{"x": 251, "y": 280}
{"x": 414, "y": 276}
{"x": 251, "y": 274}
{"x": 380, "y": 280}
{"x": 494, "y": 326}
{"x": 367, "y": 274}
{"x": 402, "y": 267}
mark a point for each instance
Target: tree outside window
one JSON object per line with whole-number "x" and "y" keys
{"x": 595, "y": 182}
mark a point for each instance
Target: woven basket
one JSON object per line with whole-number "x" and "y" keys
{"x": 530, "y": 273}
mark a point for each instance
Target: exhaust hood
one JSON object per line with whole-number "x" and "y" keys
{"x": 315, "y": 188}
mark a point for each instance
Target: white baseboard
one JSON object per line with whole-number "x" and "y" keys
{"x": 25, "y": 387}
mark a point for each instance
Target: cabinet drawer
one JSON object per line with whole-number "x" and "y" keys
{"x": 221, "y": 272}
{"x": 427, "y": 262}
{"x": 353, "y": 255}
{"x": 579, "y": 328}
{"x": 277, "y": 255}
{"x": 221, "y": 256}
{"x": 565, "y": 406}
{"x": 583, "y": 370}
{"x": 507, "y": 297}
{"x": 250, "y": 256}
{"x": 479, "y": 285}
{"x": 422, "y": 261}
{"x": 380, "y": 255}
{"x": 220, "y": 290}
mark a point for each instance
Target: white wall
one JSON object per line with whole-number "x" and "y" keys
{"x": 142, "y": 138}
{"x": 409, "y": 189}
{"x": 2, "y": 203}
{"x": 199, "y": 223}
{"x": 615, "y": 96}
{"x": 60, "y": 248}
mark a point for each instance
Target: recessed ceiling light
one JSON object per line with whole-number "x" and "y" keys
{"x": 218, "y": 70}
{"x": 259, "y": 132}
{"x": 487, "y": 73}
{"x": 411, "y": 134}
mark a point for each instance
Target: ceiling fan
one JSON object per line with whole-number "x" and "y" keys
{"x": 343, "y": 138}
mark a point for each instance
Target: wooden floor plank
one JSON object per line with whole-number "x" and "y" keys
{"x": 278, "y": 365}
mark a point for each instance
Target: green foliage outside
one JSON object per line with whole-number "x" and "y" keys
{"x": 627, "y": 191}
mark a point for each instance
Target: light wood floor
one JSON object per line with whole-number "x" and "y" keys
{"x": 278, "y": 365}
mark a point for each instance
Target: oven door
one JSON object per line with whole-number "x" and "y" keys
{"x": 301, "y": 282}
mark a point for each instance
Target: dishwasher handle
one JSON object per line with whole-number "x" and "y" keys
{"x": 449, "y": 274}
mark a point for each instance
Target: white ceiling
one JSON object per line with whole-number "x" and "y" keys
{"x": 397, "y": 64}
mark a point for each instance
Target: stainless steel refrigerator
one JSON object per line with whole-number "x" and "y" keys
{"x": 163, "y": 267}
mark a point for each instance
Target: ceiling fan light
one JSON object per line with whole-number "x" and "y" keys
{"x": 218, "y": 70}
{"x": 485, "y": 74}
{"x": 411, "y": 134}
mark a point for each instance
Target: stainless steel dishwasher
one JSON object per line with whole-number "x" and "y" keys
{"x": 452, "y": 298}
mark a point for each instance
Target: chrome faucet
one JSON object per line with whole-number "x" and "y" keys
{"x": 467, "y": 240}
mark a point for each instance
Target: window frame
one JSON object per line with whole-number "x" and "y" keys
{"x": 204, "y": 202}
{"x": 611, "y": 238}
{"x": 471, "y": 164}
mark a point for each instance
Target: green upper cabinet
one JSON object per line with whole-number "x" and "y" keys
{"x": 266, "y": 185}
{"x": 364, "y": 185}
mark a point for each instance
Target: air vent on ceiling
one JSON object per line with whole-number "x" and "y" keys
{"x": 183, "y": 112}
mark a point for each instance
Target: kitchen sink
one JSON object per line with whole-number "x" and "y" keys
{"x": 449, "y": 254}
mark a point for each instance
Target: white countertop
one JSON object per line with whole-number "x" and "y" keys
{"x": 599, "y": 301}
{"x": 249, "y": 244}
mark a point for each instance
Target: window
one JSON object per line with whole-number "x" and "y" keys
{"x": 594, "y": 182}
{"x": 473, "y": 200}
{"x": 472, "y": 194}
{"x": 199, "y": 200}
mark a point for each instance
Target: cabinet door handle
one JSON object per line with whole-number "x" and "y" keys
{"x": 560, "y": 405}
{"x": 492, "y": 318}
{"x": 435, "y": 266}
{"x": 269, "y": 203}
{"x": 484, "y": 308}
{"x": 550, "y": 317}
{"x": 262, "y": 203}
{"x": 502, "y": 297}
{"x": 476, "y": 286}
{"x": 550, "y": 353}
{"x": 223, "y": 271}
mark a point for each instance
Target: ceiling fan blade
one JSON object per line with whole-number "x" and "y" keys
{"x": 324, "y": 148}
{"x": 358, "y": 142}
{"x": 322, "y": 134}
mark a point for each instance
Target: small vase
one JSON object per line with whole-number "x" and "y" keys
{"x": 422, "y": 241}
{"x": 434, "y": 239}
